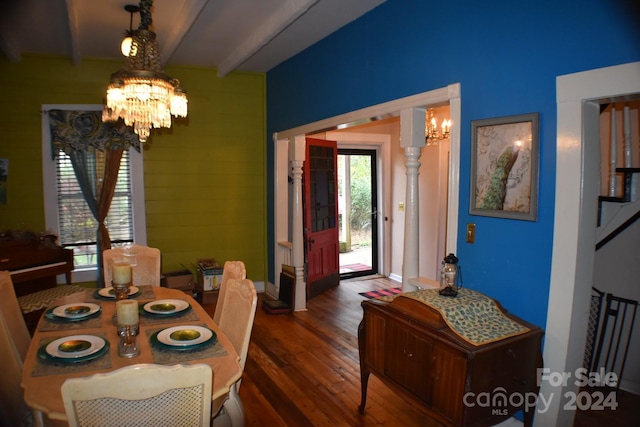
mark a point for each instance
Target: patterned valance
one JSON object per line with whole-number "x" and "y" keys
{"x": 73, "y": 130}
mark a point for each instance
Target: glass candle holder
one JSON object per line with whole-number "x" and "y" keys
{"x": 128, "y": 345}
{"x": 122, "y": 291}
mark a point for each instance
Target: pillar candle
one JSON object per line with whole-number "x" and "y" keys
{"x": 127, "y": 312}
{"x": 121, "y": 274}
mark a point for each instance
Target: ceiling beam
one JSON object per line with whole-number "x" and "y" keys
{"x": 74, "y": 31}
{"x": 277, "y": 22}
{"x": 180, "y": 27}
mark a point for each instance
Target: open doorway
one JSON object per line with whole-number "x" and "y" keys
{"x": 357, "y": 212}
{"x": 287, "y": 197}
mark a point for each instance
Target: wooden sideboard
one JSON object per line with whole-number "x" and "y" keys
{"x": 410, "y": 348}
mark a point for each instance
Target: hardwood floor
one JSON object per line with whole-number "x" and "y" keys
{"x": 303, "y": 370}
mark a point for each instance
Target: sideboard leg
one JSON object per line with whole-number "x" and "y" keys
{"x": 364, "y": 380}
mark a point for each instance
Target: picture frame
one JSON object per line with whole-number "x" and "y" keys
{"x": 504, "y": 167}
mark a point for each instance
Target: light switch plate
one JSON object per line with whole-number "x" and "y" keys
{"x": 471, "y": 233}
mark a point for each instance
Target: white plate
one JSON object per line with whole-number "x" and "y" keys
{"x": 57, "y": 348}
{"x": 166, "y": 306}
{"x": 111, "y": 293}
{"x": 200, "y": 335}
{"x": 76, "y": 310}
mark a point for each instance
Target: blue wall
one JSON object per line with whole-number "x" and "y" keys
{"x": 506, "y": 55}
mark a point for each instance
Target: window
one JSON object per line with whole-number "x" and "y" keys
{"x": 68, "y": 215}
{"x": 76, "y": 224}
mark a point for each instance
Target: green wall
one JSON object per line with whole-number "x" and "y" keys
{"x": 204, "y": 178}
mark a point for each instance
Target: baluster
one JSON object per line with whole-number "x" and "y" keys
{"x": 612, "y": 157}
{"x": 627, "y": 137}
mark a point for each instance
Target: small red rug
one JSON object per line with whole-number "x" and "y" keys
{"x": 381, "y": 292}
{"x": 354, "y": 267}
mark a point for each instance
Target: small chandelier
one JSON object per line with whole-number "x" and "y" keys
{"x": 140, "y": 93}
{"x": 432, "y": 134}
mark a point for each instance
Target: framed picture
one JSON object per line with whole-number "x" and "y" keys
{"x": 504, "y": 167}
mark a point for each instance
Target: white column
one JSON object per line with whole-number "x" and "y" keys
{"x": 297, "y": 157}
{"x": 412, "y": 139}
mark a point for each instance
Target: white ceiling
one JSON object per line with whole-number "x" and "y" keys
{"x": 247, "y": 35}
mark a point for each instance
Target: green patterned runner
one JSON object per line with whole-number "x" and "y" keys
{"x": 473, "y": 316}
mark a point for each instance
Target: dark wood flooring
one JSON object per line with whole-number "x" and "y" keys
{"x": 303, "y": 370}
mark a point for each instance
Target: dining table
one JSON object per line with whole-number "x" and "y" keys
{"x": 45, "y": 371}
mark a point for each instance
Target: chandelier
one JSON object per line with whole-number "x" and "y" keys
{"x": 432, "y": 134}
{"x": 140, "y": 93}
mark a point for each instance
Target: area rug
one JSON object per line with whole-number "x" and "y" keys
{"x": 381, "y": 292}
{"x": 354, "y": 267}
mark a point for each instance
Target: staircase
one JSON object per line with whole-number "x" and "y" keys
{"x": 621, "y": 207}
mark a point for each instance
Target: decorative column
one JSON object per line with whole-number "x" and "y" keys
{"x": 412, "y": 139}
{"x": 297, "y": 157}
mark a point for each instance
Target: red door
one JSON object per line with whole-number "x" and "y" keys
{"x": 321, "y": 215}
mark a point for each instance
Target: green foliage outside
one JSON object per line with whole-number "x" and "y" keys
{"x": 360, "y": 199}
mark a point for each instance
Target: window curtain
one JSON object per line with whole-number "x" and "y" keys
{"x": 79, "y": 134}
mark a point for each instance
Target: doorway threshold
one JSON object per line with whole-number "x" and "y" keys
{"x": 361, "y": 278}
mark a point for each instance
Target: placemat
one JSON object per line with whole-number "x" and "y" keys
{"x": 168, "y": 356}
{"x": 45, "y": 367}
{"x": 146, "y": 292}
{"x": 148, "y": 319}
{"x": 47, "y": 324}
{"x": 471, "y": 315}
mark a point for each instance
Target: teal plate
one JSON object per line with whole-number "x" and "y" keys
{"x": 52, "y": 317}
{"x": 96, "y": 295}
{"x": 157, "y": 344}
{"x": 145, "y": 313}
{"x": 43, "y": 355}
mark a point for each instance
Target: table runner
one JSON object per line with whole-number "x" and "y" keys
{"x": 471, "y": 315}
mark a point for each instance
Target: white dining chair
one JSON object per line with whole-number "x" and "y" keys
{"x": 230, "y": 270}
{"x": 236, "y": 321}
{"x": 145, "y": 264}
{"x": 144, "y": 395}
{"x": 14, "y": 343}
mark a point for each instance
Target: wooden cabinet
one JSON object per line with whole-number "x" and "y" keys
{"x": 408, "y": 345}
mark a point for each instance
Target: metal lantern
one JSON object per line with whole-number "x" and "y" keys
{"x": 450, "y": 276}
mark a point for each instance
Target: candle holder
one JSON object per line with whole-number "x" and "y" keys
{"x": 122, "y": 291}
{"x": 128, "y": 345}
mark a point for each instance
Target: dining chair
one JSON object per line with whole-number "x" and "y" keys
{"x": 34, "y": 304}
{"x": 144, "y": 395}
{"x": 236, "y": 321}
{"x": 144, "y": 260}
{"x": 14, "y": 343}
{"x": 230, "y": 270}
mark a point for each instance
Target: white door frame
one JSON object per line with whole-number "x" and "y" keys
{"x": 577, "y": 179}
{"x": 382, "y": 146}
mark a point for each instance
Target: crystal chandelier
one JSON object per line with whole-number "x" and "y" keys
{"x": 140, "y": 93}
{"x": 432, "y": 134}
